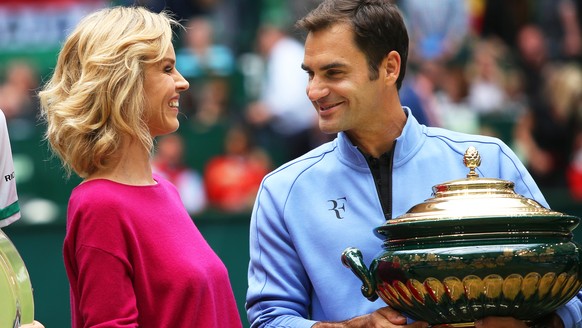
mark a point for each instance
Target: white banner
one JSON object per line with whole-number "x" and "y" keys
{"x": 40, "y": 25}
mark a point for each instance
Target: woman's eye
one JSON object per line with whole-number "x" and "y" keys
{"x": 168, "y": 69}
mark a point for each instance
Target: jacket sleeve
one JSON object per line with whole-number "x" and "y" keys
{"x": 571, "y": 313}
{"x": 279, "y": 290}
{"x": 512, "y": 169}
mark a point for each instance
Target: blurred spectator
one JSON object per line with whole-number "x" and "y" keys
{"x": 476, "y": 10}
{"x": 201, "y": 55}
{"x": 232, "y": 20}
{"x": 547, "y": 131}
{"x": 182, "y": 9}
{"x": 283, "y": 116}
{"x": 487, "y": 76}
{"x": 454, "y": 109}
{"x": 560, "y": 23}
{"x": 208, "y": 104}
{"x": 9, "y": 207}
{"x": 418, "y": 93}
{"x": 9, "y": 213}
{"x": 17, "y": 94}
{"x": 168, "y": 163}
{"x": 233, "y": 178}
{"x": 438, "y": 30}
{"x": 532, "y": 59}
{"x": 503, "y": 19}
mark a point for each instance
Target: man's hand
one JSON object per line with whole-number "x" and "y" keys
{"x": 385, "y": 317}
{"x": 550, "y": 321}
{"x": 500, "y": 322}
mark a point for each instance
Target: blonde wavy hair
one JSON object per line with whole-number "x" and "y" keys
{"x": 95, "y": 98}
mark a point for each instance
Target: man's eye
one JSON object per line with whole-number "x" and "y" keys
{"x": 333, "y": 73}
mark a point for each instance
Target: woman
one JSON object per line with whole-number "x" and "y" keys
{"x": 132, "y": 253}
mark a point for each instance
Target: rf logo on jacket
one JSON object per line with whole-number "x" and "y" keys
{"x": 338, "y": 206}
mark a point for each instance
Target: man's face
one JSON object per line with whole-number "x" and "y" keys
{"x": 339, "y": 83}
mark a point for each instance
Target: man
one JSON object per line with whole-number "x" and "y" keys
{"x": 9, "y": 208}
{"x": 381, "y": 163}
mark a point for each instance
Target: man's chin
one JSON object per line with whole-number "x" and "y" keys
{"x": 326, "y": 129}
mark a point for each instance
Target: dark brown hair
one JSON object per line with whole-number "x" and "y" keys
{"x": 377, "y": 24}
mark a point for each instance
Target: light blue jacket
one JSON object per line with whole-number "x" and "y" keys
{"x": 309, "y": 210}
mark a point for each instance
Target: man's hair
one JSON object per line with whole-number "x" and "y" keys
{"x": 95, "y": 98}
{"x": 377, "y": 24}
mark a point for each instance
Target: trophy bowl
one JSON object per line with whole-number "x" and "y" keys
{"x": 16, "y": 299}
{"x": 475, "y": 249}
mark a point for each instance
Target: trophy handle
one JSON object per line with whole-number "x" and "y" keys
{"x": 352, "y": 259}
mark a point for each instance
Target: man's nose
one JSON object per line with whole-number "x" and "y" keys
{"x": 316, "y": 89}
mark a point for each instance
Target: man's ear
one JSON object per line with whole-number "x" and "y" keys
{"x": 391, "y": 67}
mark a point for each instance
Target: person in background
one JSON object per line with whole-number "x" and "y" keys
{"x": 418, "y": 92}
{"x": 382, "y": 163}
{"x": 132, "y": 253}
{"x": 282, "y": 114}
{"x": 547, "y": 131}
{"x": 532, "y": 59}
{"x": 488, "y": 78}
{"x": 438, "y": 30}
{"x": 17, "y": 96}
{"x": 232, "y": 179}
{"x": 9, "y": 208}
{"x": 168, "y": 162}
{"x": 201, "y": 56}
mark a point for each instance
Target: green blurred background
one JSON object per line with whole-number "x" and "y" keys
{"x": 44, "y": 189}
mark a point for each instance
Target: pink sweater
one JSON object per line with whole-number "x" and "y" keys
{"x": 134, "y": 258}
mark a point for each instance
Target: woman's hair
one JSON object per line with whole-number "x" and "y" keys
{"x": 377, "y": 24}
{"x": 95, "y": 98}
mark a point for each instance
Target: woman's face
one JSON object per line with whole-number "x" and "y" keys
{"x": 162, "y": 87}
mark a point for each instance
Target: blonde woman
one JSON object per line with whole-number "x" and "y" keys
{"x": 132, "y": 253}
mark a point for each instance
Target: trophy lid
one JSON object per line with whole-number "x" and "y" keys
{"x": 479, "y": 203}
{"x": 474, "y": 196}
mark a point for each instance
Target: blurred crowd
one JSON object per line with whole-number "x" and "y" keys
{"x": 511, "y": 69}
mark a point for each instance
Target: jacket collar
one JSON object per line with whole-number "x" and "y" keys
{"x": 407, "y": 144}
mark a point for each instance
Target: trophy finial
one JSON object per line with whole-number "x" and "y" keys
{"x": 472, "y": 160}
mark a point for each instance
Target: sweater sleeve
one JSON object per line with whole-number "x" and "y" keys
{"x": 96, "y": 255}
{"x": 105, "y": 289}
